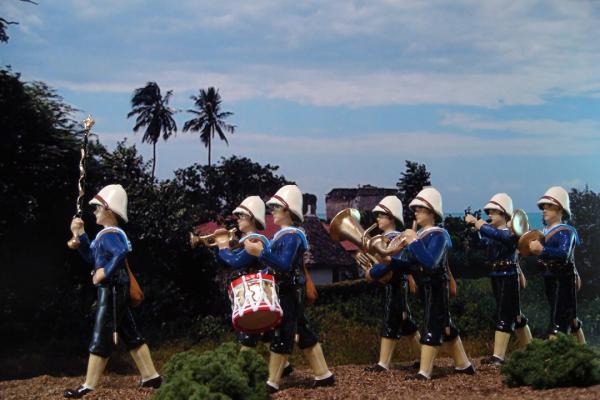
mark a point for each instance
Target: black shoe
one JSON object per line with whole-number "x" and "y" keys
{"x": 271, "y": 389}
{"x": 376, "y": 368}
{"x": 409, "y": 367}
{"x": 470, "y": 370}
{"x": 287, "y": 371}
{"x": 77, "y": 393}
{"x": 152, "y": 383}
{"x": 324, "y": 382}
{"x": 417, "y": 377}
{"x": 492, "y": 360}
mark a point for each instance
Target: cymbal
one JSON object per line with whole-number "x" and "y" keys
{"x": 527, "y": 238}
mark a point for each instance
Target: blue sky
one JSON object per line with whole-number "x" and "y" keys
{"x": 494, "y": 96}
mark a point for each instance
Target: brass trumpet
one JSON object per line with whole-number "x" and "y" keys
{"x": 211, "y": 240}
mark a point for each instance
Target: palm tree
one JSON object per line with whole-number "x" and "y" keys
{"x": 209, "y": 118}
{"x": 154, "y": 113}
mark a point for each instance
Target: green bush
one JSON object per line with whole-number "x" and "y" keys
{"x": 221, "y": 374}
{"x": 553, "y": 363}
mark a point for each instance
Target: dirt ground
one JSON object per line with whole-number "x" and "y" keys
{"x": 352, "y": 383}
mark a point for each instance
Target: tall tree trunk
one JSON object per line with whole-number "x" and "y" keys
{"x": 153, "y": 158}
{"x": 209, "y": 151}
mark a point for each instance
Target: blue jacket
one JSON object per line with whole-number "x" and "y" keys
{"x": 285, "y": 255}
{"x": 500, "y": 245}
{"x": 107, "y": 251}
{"x": 426, "y": 256}
{"x": 561, "y": 246}
{"x": 239, "y": 259}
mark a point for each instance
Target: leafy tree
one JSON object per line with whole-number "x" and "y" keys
{"x": 410, "y": 184}
{"x": 154, "y": 113}
{"x": 585, "y": 206}
{"x": 220, "y": 188}
{"x": 209, "y": 118}
{"x": 4, "y": 24}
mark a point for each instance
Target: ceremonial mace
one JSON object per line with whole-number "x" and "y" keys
{"x": 73, "y": 243}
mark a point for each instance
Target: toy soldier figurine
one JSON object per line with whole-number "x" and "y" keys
{"x": 108, "y": 254}
{"x": 285, "y": 256}
{"x": 426, "y": 257}
{"x": 250, "y": 218}
{"x": 556, "y": 257}
{"x": 501, "y": 248}
{"x": 397, "y": 321}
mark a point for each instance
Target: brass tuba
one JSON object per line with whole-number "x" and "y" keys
{"x": 211, "y": 240}
{"x": 345, "y": 226}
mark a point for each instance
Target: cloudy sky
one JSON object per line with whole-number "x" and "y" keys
{"x": 491, "y": 95}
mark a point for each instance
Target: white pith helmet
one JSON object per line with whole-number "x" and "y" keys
{"x": 390, "y": 205}
{"x": 290, "y": 197}
{"x": 557, "y": 196}
{"x": 114, "y": 198}
{"x": 429, "y": 198}
{"x": 501, "y": 202}
{"x": 253, "y": 206}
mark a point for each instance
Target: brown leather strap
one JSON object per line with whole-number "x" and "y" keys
{"x": 387, "y": 210}
{"x": 247, "y": 209}
{"x": 562, "y": 228}
{"x": 285, "y": 203}
{"x": 556, "y": 202}
{"x": 499, "y": 205}
{"x": 102, "y": 201}
{"x": 426, "y": 202}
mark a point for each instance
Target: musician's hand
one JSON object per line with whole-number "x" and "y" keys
{"x": 77, "y": 226}
{"x": 409, "y": 235}
{"x": 480, "y": 223}
{"x": 536, "y": 247}
{"x": 254, "y": 248}
{"x": 363, "y": 261}
{"x": 98, "y": 276}
{"x": 470, "y": 219}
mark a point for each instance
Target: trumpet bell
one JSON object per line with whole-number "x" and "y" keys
{"x": 345, "y": 226}
{"x": 527, "y": 238}
{"x": 520, "y": 222}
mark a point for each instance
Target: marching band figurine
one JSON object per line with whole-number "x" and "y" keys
{"x": 502, "y": 258}
{"x": 285, "y": 256}
{"x": 557, "y": 259}
{"x": 397, "y": 320}
{"x": 108, "y": 254}
{"x": 250, "y": 218}
{"x": 426, "y": 257}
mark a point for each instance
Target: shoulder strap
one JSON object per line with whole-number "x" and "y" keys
{"x": 562, "y": 228}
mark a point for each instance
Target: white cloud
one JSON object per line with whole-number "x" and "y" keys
{"x": 536, "y": 127}
{"x": 421, "y": 144}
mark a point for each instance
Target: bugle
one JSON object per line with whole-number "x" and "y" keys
{"x": 211, "y": 240}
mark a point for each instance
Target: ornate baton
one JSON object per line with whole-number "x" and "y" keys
{"x": 73, "y": 243}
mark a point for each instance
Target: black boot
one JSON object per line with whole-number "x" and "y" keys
{"x": 410, "y": 367}
{"x": 493, "y": 360}
{"x": 77, "y": 393}
{"x": 324, "y": 382}
{"x": 470, "y": 370}
{"x": 152, "y": 383}
{"x": 287, "y": 371}
{"x": 271, "y": 389}
{"x": 376, "y": 368}
{"x": 417, "y": 377}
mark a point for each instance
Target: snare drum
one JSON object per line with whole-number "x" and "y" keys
{"x": 255, "y": 304}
